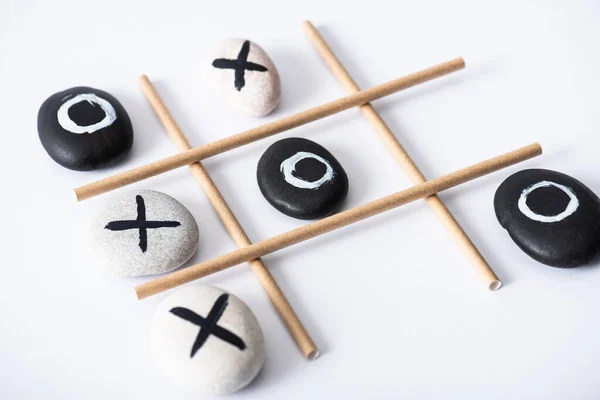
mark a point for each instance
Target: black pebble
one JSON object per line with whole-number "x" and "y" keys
{"x": 83, "y": 150}
{"x": 301, "y": 202}
{"x": 571, "y": 242}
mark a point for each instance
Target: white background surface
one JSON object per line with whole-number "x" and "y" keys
{"x": 394, "y": 307}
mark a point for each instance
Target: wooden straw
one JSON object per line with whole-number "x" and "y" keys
{"x": 335, "y": 221}
{"x": 410, "y": 168}
{"x": 232, "y": 225}
{"x": 261, "y": 132}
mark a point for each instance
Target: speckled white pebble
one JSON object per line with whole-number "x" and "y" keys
{"x": 207, "y": 340}
{"x": 120, "y": 247}
{"x": 242, "y": 74}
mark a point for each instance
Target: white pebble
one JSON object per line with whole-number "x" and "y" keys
{"x": 143, "y": 232}
{"x": 242, "y": 74}
{"x": 207, "y": 340}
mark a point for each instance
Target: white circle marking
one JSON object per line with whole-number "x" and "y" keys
{"x": 570, "y": 209}
{"x": 69, "y": 125}
{"x": 288, "y": 166}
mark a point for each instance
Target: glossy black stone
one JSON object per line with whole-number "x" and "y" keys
{"x": 296, "y": 182}
{"x": 84, "y": 128}
{"x": 557, "y": 221}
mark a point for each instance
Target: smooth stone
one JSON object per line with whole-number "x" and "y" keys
{"x": 242, "y": 74}
{"x": 207, "y": 340}
{"x": 552, "y": 217}
{"x": 302, "y": 179}
{"x": 143, "y": 232}
{"x": 84, "y": 129}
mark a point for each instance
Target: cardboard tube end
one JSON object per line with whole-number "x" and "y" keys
{"x": 307, "y": 26}
{"x": 313, "y": 355}
{"x": 139, "y": 295}
{"x": 78, "y": 196}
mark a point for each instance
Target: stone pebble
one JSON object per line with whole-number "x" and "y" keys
{"x": 143, "y": 232}
{"x": 84, "y": 129}
{"x": 551, "y": 216}
{"x": 302, "y": 179}
{"x": 242, "y": 74}
{"x": 207, "y": 340}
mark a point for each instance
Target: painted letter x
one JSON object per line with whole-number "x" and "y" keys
{"x": 240, "y": 65}
{"x": 208, "y": 326}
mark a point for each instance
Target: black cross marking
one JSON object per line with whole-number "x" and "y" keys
{"x": 140, "y": 223}
{"x": 208, "y": 326}
{"x": 240, "y": 65}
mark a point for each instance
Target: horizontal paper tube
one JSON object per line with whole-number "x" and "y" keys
{"x": 220, "y": 146}
{"x": 336, "y": 221}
